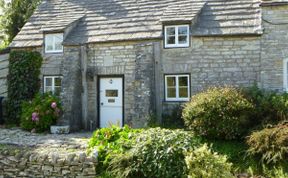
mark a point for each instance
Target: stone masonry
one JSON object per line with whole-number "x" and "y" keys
{"x": 24, "y": 154}
{"x": 134, "y": 61}
{"x": 274, "y": 46}
{"x": 235, "y": 53}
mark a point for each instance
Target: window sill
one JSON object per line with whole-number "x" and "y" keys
{"x": 171, "y": 47}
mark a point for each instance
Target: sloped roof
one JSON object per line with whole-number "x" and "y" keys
{"x": 118, "y": 20}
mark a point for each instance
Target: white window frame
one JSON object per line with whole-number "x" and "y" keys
{"x": 53, "y": 35}
{"x": 285, "y": 73}
{"x": 177, "y": 98}
{"x": 177, "y": 45}
{"x": 53, "y": 83}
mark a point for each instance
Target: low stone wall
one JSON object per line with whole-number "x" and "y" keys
{"x": 31, "y": 162}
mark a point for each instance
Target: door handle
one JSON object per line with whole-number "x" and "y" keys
{"x": 102, "y": 104}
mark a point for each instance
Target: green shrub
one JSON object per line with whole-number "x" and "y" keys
{"x": 270, "y": 107}
{"x": 23, "y": 81}
{"x": 173, "y": 119}
{"x": 270, "y": 144}
{"x": 156, "y": 153}
{"x": 203, "y": 163}
{"x": 40, "y": 113}
{"x": 221, "y": 113}
{"x": 170, "y": 120}
{"x": 108, "y": 141}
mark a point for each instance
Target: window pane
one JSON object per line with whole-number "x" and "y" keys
{"x": 183, "y": 92}
{"x": 183, "y": 81}
{"x": 48, "y": 82}
{"x": 49, "y": 43}
{"x": 183, "y": 31}
{"x": 57, "y": 91}
{"x": 171, "y": 40}
{"x": 111, "y": 93}
{"x": 58, "y": 82}
{"x": 171, "y": 92}
{"x": 182, "y": 39}
{"x": 170, "y": 31}
{"x": 48, "y": 89}
{"x": 58, "y": 41}
{"x": 171, "y": 81}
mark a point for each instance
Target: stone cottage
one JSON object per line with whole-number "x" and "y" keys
{"x": 118, "y": 61}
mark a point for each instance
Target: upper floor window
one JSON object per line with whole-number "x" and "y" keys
{"x": 177, "y": 87}
{"x": 177, "y": 36}
{"x": 285, "y": 74}
{"x": 53, "y": 43}
{"x": 53, "y": 84}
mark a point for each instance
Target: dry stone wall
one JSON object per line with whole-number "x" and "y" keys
{"x": 20, "y": 164}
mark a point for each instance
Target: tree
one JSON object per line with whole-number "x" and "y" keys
{"x": 15, "y": 15}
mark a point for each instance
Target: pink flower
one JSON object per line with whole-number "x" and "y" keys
{"x": 53, "y": 105}
{"x": 35, "y": 117}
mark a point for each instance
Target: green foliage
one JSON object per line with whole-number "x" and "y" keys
{"x": 108, "y": 141}
{"x": 221, "y": 113}
{"x": 45, "y": 114}
{"x": 172, "y": 120}
{"x": 156, "y": 153}
{"x": 270, "y": 107}
{"x": 15, "y": 16}
{"x": 271, "y": 144}
{"x": 23, "y": 81}
{"x": 203, "y": 163}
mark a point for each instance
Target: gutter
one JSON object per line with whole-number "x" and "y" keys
{"x": 275, "y": 3}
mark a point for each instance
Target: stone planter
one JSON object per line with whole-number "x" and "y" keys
{"x": 60, "y": 129}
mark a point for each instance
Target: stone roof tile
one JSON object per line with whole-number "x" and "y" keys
{"x": 119, "y": 20}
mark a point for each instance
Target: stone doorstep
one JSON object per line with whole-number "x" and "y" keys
{"x": 60, "y": 129}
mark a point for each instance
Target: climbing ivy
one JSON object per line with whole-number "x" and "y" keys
{"x": 22, "y": 80}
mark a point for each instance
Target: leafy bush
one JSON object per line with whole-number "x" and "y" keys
{"x": 171, "y": 120}
{"x": 221, "y": 113}
{"x": 202, "y": 162}
{"x": 23, "y": 81}
{"x": 156, "y": 153}
{"x": 271, "y": 144}
{"x": 270, "y": 107}
{"x": 108, "y": 141}
{"x": 40, "y": 113}
{"x": 174, "y": 119}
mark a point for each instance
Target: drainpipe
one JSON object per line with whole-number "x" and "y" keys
{"x": 157, "y": 84}
{"x": 84, "y": 63}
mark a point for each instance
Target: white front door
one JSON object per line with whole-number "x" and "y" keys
{"x": 111, "y": 102}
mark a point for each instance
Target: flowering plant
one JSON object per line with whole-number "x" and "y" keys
{"x": 40, "y": 113}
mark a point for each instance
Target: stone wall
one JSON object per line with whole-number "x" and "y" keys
{"x": 22, "y": 162}
{"x": 274, "y": 46}
{"x": 3, "y": 74}
{"x": 134, "y": 61}
{"x": 213, "y": 61}
{"x": 67, "y": 65}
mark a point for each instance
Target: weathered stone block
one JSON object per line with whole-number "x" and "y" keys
{"x": 60, "y": 129}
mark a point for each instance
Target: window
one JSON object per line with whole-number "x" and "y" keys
{"x": 177, "y": 88}
{"x": 53, "y": 43}
{"x": 53, "y": 84}
{"x": 177, "y": 36}
{"x": 285, "y": 74}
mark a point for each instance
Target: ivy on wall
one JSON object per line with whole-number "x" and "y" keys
{"x": 23, "y": 81}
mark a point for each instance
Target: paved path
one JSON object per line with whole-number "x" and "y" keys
{"x": 19, "y": 137}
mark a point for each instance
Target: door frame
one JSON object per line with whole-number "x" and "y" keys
{"x": 98, "y": 96}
